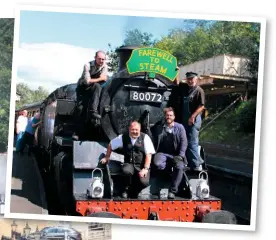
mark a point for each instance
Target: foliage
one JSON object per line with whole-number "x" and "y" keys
{"x": 113, "y": 59}
{"x": 137, "y": 38}
{"x": 200, "y": 39}
{"x": 245, "y": 116}
{"x": 236, "y": 127}
{"x": 6, "y": 43}
{"x": 28, "y": 96}
{"x": 5, "y": 76}
{"x": 132, "y": 37}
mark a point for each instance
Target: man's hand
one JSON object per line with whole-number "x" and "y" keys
{"x": 104, "y": 160}
{"x": 191, "y": 121}
{"x": 143, "y": 173}
{"x": 177, "y": 159}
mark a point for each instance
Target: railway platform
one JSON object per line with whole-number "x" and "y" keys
{"x": 27, "y": 189}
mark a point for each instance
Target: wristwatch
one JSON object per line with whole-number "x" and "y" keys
{"x": 146, "y": 168}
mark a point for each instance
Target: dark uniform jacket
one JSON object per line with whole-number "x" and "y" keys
{"x": 179, "y": 138}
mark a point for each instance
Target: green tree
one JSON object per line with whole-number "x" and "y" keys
{"x": 6, "y": 43}
{"x": 28, "y": 96}
{"x": 132, "y": 37}
{"x": 5, "y": 76}
{"x": 113, "y": 60}
{"x": 198, "y": 40}
{"x": 138, "y": 38}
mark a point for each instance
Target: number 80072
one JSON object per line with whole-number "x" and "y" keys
{"x": 145, "y": 96}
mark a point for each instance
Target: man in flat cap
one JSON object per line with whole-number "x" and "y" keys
{"x": 191, "y": 104}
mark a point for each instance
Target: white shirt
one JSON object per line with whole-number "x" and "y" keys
{"x": 22, "y": 123}
{"x": 118, "y": 143}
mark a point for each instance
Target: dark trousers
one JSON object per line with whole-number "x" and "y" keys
{"x": 132, "y": 177}
{"x": 27, "y": 139}
{"x": 87, "y": 102}
{"x": 162, "y": 161}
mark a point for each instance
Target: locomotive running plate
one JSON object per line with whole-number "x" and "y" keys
{"x": 146, "y": 96}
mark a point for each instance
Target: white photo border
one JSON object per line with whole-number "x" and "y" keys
{"x": 178, "y": 15}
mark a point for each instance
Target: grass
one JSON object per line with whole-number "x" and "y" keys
{"x": 236, "y": 127}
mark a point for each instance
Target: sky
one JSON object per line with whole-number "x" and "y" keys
{"x": 54, "y": 46}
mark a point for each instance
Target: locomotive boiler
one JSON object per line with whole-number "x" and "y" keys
{"x": 137, "y": 91}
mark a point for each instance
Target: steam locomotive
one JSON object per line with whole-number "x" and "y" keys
{"x": 87, "y": 188}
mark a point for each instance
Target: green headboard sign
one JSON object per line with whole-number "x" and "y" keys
{"x": 152, "y": 60}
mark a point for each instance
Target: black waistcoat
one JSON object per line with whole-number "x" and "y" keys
{"x": 134, "y": 154}
{"x": 167, "y": 143}
{"x": 82, "y": 85}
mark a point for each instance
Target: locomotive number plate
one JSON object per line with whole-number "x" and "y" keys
{"x": 145, "y": 96}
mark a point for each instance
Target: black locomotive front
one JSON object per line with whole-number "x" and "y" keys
{"x": 132, "y": 97}
{"x": 125, "y": 97}
{"x": 81, "y": 186}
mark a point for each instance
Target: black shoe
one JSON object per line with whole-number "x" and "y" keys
{"x": 124, "y": 194}
{"x": 171, "y": 195}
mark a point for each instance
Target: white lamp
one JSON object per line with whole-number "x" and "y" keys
{"x": 97, "y": 186}
{"x": 202, "y": 188}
